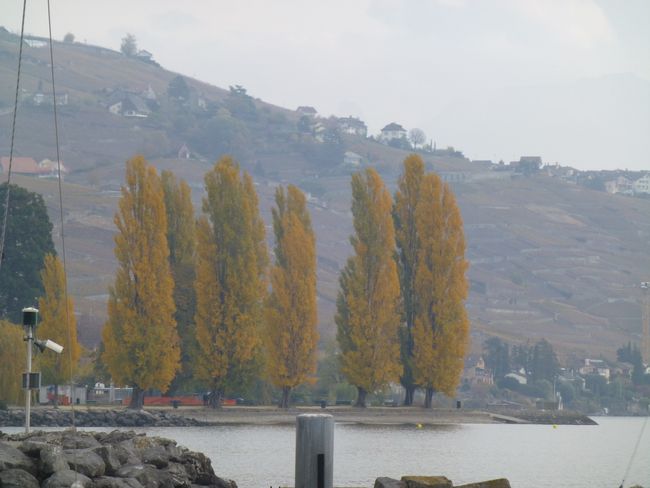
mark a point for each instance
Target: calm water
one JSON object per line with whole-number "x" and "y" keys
{"x": 531, "y": 456}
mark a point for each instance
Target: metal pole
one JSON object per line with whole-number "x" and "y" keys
{"x": 314, "y": 451}
{"x": 28, "y": 390}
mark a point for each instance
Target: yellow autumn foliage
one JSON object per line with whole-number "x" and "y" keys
{"x": 12, "y": 362}
{"x": 291, "y": 315}
{"x": 57, "y": 368}
{"x": 140, "y": 339}
{"x": 368, "y": 315}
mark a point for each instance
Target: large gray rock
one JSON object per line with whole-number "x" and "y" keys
{"x": 427, "y": 482}
{"x": 156, "y": 455}
{"x": 85, "y": 461}
{"x": 199, "y": 468}
{"x": 498, "y": 483}
{"x": 65, "y": 479}
{"x": 147, "y": 475}
{"x": 79, "y": 440}
{"x": 108, "y": 455}
{"x": 109, "y": 482}
{"x": 385, "y": 482}
{"x": 11, "y": 458}
{"x": 52, "y": 460}
{"x": 17, "y": 478}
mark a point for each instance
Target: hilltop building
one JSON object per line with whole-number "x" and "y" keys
{"x": 353, "y": 126}
{"x": 642, "y": 185}
{"x": 307, "y": 110}
{"x": 620, "y": 185}
{"x": 351, "y": 159}
{"x": 392, "y": 131}
{"x": 129, "y": 105}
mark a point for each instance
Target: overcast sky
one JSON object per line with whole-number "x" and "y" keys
{"x": 565, "y": 79}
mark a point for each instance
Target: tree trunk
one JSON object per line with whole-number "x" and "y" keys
{"x": 216, "y": 396}
{"x": 408, "y": 395}
{"x": 137, "y": 399}
{"x": 428, "y": 398}
{"x": 361, "y": 398}
{"x": 284, "y": 401}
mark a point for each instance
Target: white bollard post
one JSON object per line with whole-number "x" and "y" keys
{"x": 314, "y": 451}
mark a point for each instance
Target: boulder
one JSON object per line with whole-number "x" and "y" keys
{"x": 389, "y": 483}
{"x": 109, "y": 482}
{"x": 147, "y": 475}
{"x": 498, "y": 483}
{"x": 79, "y": 440}
{"x": 11, "y": 458}
{"x": 156, "y": 455}
{"x": 65, "y": 479}
{"x": 110, "y": 458}
{"x": 85, "y": 461}
{"x": 17, "y": 478}
{"x": 427, "y": 482}
{"x": 52, "y": 460}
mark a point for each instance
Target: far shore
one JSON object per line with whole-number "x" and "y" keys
{"x": 417, "y": 416}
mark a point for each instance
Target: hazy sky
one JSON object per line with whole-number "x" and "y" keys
{"x": 565, "y": 79}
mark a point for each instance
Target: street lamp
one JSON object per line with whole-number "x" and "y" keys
{"x": 32, "y": 381}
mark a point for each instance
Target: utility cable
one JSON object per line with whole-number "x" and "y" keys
{"x": 636, "y": 448}
{"x": 65, "y": 269}
{"x": 13, "y": 134}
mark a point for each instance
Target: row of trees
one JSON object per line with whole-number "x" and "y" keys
{"x": 401, "y": 311}
{"x": 191, "y": 299}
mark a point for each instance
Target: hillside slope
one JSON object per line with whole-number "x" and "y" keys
{"x": 548, "y": 259}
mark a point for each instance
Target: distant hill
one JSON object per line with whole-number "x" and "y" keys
{"x": 548, "y": 258}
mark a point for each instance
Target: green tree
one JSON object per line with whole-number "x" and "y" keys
{"x": 230, "y": 280}
{"x": 544, "y": 364}
{"x": 58, "y": 323}
{"x": 368, "y": 315}
{"x": 129, "y": 45}
{"x": 291, "y": 335}
{"x": 12, "y": 362}
{"x": 181, "y": 240}
{"x": 178, "y": 88}
{"x": 497, "y": 357}
{"x": 441, "y": 328}
{"x": 409, "y": 249}
{"x": 140, "y": 338}
{"x": 28, "y": 239}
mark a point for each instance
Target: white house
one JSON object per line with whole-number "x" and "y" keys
{"x": 619, "y": 185}
{"x": 353, "y": 126}
{"x": 351, "y": 159}
{"x": 642, "y": 185}
{"x": 519, "y": 378}
{"x": 307, "y": 110}
{"x": 393, "y": 131}
{"x": 595, "y": 366}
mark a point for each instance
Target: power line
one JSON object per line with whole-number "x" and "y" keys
{"x": 13, "y": 134}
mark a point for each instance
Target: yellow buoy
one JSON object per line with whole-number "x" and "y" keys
{"x": 419, "y": 426}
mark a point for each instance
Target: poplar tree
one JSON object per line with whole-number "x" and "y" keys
{"x": 441, "y": 326}
{"x": 181, "y": 240}
{"x": 57, "y": 324}
{"x": 140, "y": 338}
{"x": 407, "y": 198}
{"x": 12, "y": 364}
{"x": 230, "y": 280}
{"x": 368, "y": 315}
{"x": 291, "y": 334}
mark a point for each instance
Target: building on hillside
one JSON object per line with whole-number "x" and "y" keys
{"x": 351, "y": 159}
{"x": 130, "y": 105}
{"x": 353, "y": 126}
{"x": 20, "y": 165}
{"x": 518, "y": 377}
{"x": 150, "y": 94}
{"x": 392, "y": 131}
{"x": 41, "y": 98}
{"x": 307, "y": 110}
{"x": 184, "y": 152}
{"x": 595, "y": 366}
{"x": 319, "y": 131}
{"x": 642, "y": 185}
{"x": 620, "y": 184}
{"x": 50, "y": 169}
{"x": 144, "y": 55}
{"x": 475, "y": 373}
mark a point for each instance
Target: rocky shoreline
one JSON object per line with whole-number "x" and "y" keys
{"x": 97, "y": 418}
{"x": 119, "y": 459}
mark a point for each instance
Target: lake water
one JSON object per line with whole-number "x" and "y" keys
{"x": 530, "y": 456}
